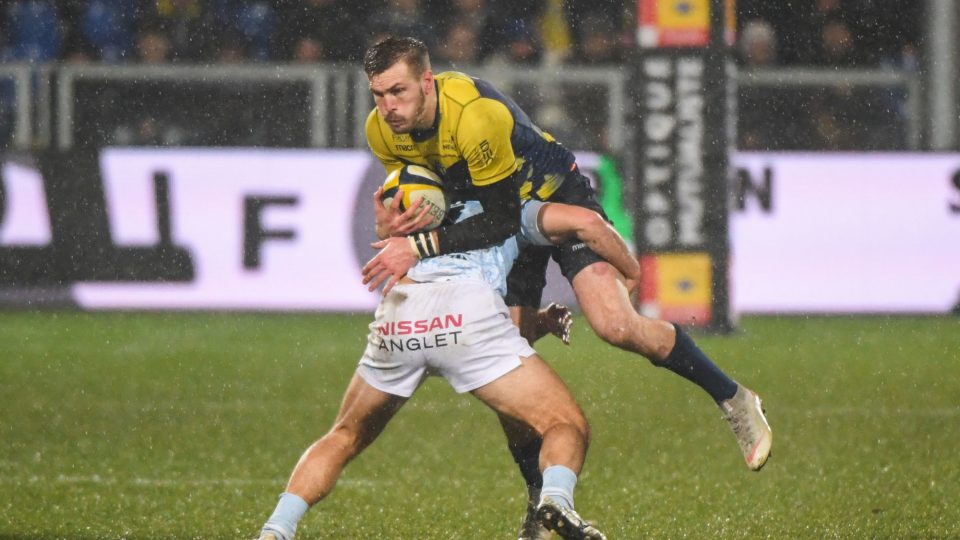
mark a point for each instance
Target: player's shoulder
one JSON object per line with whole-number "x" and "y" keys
{"x": 465, "y": 99}
{"x": 374, "y": 129}
{"x": 373, "y": 120}
{"x": 457, "y": 87}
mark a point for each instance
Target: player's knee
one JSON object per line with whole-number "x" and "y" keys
{"x": 635, "y": 334}
{"x": 586, "y": 434}
{"x": 618, "y": 333}
{"x": 571, "y": 432}
{"x": 578, "y": 424}
{"x": 565, "y": 417}
{"x": 582, "y": 428}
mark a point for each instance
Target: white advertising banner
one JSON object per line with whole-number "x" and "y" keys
{"x": 24, "y": 218}
{"x": 303, "y": 230}
{"x": 288, "y": 230}
{"x": 846, "y": 233}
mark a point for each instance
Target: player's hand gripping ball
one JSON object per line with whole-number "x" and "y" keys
{"x": 417, "y": 183}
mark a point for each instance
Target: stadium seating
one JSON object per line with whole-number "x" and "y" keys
{"x": 255, "y": 20}
{"x": 108, "y": 26}
{"x": 34, "y": 31}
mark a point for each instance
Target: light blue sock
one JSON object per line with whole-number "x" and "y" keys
{"x": 558, "y": 484}
{"x": 285, "y": 517}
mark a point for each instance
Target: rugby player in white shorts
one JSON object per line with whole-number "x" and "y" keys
{"x": 446, "y": 317}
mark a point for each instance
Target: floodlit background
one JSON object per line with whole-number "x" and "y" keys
{"x": 185, "y": 206}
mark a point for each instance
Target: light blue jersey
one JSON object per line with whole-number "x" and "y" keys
{"x": 490, "y": 264}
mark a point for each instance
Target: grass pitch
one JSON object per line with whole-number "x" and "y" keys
{"x": 187, "y": 425}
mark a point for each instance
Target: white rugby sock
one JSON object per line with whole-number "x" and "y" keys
{"x": 558, "y": 484}
{"x": 286, "y": 516}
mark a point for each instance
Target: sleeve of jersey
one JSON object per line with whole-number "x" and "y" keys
{"x": 483, "y": 135}
{"x": 376, "y": 140}
{"x": 499, "y": 220}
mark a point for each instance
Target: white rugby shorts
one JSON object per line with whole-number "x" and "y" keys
{"x": 459, "y": 330}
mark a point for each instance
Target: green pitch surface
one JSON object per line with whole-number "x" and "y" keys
{"x": 186, "y": 426}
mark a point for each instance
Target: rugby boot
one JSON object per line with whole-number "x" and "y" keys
{"x": 565, "y": 522}
{"x": 270, "y": 534}
{"x": 745, "y": 414}
{"x": 530, "y": 528}
{"x": 557, "y": 320}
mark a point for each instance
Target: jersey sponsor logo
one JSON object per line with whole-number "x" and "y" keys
{"x": 404, "y": 147}
{"x": 482, "y": 155}
{"x": 422, "y": 326}
{"x": 486, "y": 153}
{"x": 435, "y": 341}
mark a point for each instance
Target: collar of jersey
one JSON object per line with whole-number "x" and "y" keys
{"x": 420, "y": 135}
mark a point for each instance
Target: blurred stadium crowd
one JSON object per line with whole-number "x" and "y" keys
{"x": 836, "y": 34}
{"x": 844, "y": 33}
{"x": 461, "y": 31}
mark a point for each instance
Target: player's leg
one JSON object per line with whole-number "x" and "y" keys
{"x": 363, "y": 414}
{"x": 524, "y": 444}
{"x": 602, "y": 294}
{"x": 533, "y": 395}
{"x": 606, "y": 303}
{"x": 553, "y": 224}
{"x": 525, "y": 285}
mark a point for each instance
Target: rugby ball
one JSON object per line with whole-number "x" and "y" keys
{"x": 416, "y": 182}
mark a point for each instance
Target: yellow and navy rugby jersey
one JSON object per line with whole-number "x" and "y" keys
{"x": 479, "y": 137}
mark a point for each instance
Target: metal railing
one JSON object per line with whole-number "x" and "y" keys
{"x": 337, "y": 100}
{"x": 19, "y": 75}
{"x": 793, "y": 78}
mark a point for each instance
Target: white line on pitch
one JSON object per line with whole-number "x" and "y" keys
{"x": 171, "y": 482}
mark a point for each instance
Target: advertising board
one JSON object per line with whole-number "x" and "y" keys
{"x": 288, "y": 230}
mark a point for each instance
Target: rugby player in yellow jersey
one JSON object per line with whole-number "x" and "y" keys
{"x": 484, "y": 147}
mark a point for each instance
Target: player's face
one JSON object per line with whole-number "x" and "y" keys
{"x": 401, "y": 97}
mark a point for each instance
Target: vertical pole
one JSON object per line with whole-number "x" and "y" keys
{"x": 942, "y": 73}
{"x": 720, "y": 133}
{"x": 683, "y": 132}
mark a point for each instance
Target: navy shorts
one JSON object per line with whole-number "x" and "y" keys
{"x": 529, "y": 274}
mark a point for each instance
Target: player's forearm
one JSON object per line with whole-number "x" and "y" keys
{"x": 606, "y": 242}
{"x": 560, "y": 222}
{"x": 490, "y": 228}
{"x": 499, "y": 220}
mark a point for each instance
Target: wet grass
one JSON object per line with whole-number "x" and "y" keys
{"x": 186, "y": 426}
